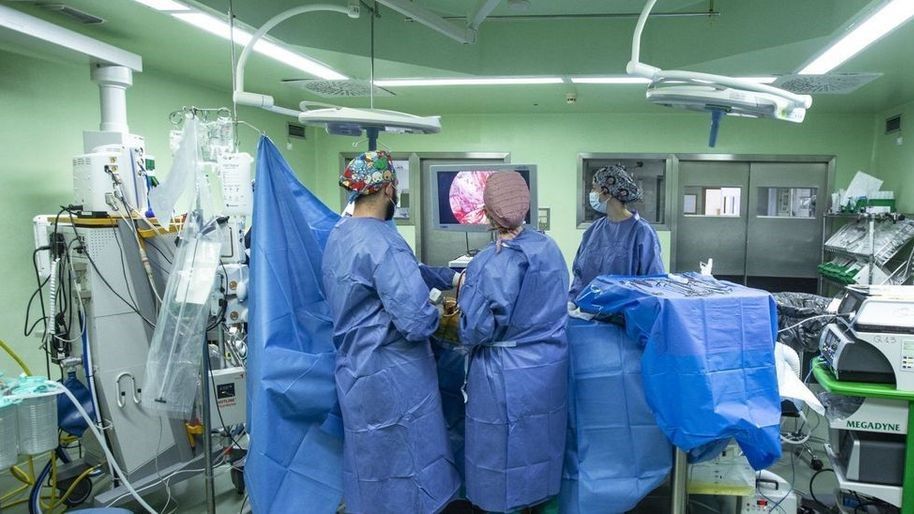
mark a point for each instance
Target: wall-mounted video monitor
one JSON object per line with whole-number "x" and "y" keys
{"x": 459, "y": 190}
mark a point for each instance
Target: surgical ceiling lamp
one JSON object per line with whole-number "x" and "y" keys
{"x": 717, "y": 94}
{"x": 337, "y": 120}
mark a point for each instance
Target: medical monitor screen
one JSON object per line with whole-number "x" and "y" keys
{"x": 459, "y": 194}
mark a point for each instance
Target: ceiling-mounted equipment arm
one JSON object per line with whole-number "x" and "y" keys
{"x": 266, "y": 101}
{"x": 635, "y": 67}
{"x": 483, "y": 9}
{"x": 465, "y": 34}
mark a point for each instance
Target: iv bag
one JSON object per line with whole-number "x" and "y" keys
{"x": 175, "y": 355}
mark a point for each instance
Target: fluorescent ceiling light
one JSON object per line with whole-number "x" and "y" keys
{"x": 213, "y": 25}
{"x": 889, "y": 17}
{"x": 501, "y": 81}
{"x": 610, "y": 80}
{"x": 221, "y": 28}
{"x": 640, "y": 80}
{"x": 164, "y": 5}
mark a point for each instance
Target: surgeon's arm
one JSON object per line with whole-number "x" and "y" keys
{"x": 577, "y": 268}
{"x": 477, "y": 316}
{"x": 441, "y": 278}
{"x": 487, "y": 299}
{"x": 405, "y": 296}
{"x": 648, "y": 254}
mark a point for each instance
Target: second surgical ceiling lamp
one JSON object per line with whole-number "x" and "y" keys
{"x": 717, "y": 94}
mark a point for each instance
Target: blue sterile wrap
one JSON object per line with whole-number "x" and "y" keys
{"x": 708, "y": 365}
{"x": 295, "y": 458}
{"x": 615, "y": 452}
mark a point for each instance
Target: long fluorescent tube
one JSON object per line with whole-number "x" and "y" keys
{"x": 889, "y": 17}
{"x": 610, "y": 80}
{"x": 221, "y": 28}
{"x": 640, "y": 80}
{"x": 164, "y": 5}
{"x": 501, "y": 81}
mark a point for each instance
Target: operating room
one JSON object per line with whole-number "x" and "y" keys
{"x": 458, "y": 256}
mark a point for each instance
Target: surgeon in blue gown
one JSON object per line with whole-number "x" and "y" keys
{"x": 396, "y": 454}
{"x": 513, "y": 317}
{"x": 620, "y": 243}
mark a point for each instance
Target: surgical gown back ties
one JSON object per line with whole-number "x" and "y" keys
{"x": 396, "y": 457}
{"x": 629, "y": 247}
{"x": 513, "y": 306}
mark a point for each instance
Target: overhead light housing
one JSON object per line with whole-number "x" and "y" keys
{"x": 717, "y": 94}
{"x": 346, "y": 121}
{"x": 625, "y": 79}
{"x": 338, "y": 120}
{"x": 469, "y": 81}
{"x": 891, "y": 15}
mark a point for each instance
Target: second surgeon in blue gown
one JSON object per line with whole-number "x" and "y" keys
{"x": 620, "y": 243}
{"x": 513, "y": 319}
{"x": 396, "y": 454}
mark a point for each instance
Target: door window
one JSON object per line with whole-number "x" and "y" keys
{"x": 650, "y": 174}
{"x": 712, "y": 201}
{"x": 787, "y": 202}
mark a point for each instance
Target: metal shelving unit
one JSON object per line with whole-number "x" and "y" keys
{"x": 874, "y": 259}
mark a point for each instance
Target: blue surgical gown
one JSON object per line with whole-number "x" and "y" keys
{"x": 396, "y": 454}
{"x": 513, "y": 315}
{"x": 629, "y": 247}
{"x": 437, "y": 277}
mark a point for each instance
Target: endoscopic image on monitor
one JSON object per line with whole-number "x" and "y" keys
{"x": 460, "y": 196}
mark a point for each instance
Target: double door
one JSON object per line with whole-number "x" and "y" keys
{"x": 759, "y": 221}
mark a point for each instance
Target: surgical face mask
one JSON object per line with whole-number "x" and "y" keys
{"x": 596, "y": 204}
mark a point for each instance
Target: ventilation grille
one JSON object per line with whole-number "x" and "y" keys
{"x": 74, "y": 14}
{"x": 830, "y": 84}
{"x": 296, "y": 131}
{"x": 893, "y": 124}
{"x": 338, "y": 88}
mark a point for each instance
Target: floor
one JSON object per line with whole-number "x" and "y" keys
{"x": 187, "y": 497}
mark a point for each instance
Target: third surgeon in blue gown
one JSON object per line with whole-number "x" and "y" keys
{"x": 396, "y": 454}
{"x": 513, "y": 319}
{"x": 620, "y": 243}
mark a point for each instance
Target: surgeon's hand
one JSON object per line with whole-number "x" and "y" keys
{"x": 449, "y": 322}
{"x": 575, "y": 312}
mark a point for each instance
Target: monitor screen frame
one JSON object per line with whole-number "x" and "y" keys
{"x": 437, "y": 169}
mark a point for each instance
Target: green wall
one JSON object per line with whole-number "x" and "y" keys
{"x": 553, "y": 141}
{"x": 46, "y": 105}
{"x": 894, "y": 163}
{"x": 44, "y": 108}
